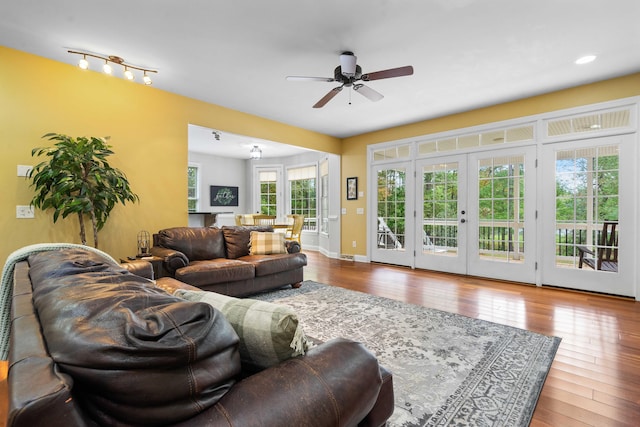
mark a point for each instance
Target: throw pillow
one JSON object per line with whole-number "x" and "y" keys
{"x": 267, "y": 243}
{"x": 237, "y": 239}
{"x": 269, "y": 333}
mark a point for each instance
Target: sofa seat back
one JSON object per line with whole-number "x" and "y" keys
{"x": 132, "y": 338}
{"x": 47, "y": 390}
{"x": 220, "y": 270}
{"x": 197, "y": 243}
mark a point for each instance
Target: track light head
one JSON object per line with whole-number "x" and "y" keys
{"x": 83, "y": 63}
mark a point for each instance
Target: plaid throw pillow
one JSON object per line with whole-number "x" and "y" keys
{"x": 265, "y": 243}
{"x": 269, "y": 333}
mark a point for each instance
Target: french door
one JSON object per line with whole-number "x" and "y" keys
{"x": 470, "y": 215}
{"x": 502, "y": 204}
{"x": 589, "y": 182}
{"x": 441, "y": 217}
{"x": 393, "y": 224}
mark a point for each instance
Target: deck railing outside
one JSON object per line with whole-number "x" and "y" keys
{"x": 493, "y": 236}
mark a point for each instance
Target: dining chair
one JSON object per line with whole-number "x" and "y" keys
{"x": 295, "y": 231}
{"x": 260, "y": 219}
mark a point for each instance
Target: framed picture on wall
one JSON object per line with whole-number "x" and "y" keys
{"x": 223, "y": 195}
{"x": 352, "y": 188}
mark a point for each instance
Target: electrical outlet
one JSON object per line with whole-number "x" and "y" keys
{"x": 353, "y": 243}
{"x": 24, "y": 211}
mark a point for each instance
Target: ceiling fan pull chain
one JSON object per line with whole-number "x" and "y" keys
{"x": 350, "y": 97}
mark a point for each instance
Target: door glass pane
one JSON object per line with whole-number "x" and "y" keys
{"x": 587, "y": 199}
{"x": 501, "y": 209}
{"x": 440, "y": 209}
{"x": 391, "y": 209}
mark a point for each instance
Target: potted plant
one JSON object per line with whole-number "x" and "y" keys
{"x": 78, "y": 179}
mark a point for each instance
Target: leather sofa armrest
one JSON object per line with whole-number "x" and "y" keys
{"x": 171, "y": 285}
{"x": 172, "y": 260}
{"x": 292, "y": 246}
{"x": 139, "y": 268}
{"x": 336, "y": 383}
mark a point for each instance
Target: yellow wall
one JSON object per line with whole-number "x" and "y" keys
{"x": 148, "y": 129}
{"x": 354, "y": 149}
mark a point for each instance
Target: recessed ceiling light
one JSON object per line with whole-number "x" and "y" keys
{"x": 585, "y": 59}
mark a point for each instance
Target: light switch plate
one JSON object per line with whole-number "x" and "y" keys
{"x": 359, "y": 211}
{"x": 23, "y": 170}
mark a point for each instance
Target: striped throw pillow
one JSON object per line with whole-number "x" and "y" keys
{"x": 266, "y": 243}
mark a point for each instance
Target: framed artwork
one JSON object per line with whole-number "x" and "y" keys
{"x": 223, "y": 195}
{"x": 352, "y": 188}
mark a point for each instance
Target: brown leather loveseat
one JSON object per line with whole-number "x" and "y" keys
{"x": 93, "y": 344}
{"x": 220, "y": 259}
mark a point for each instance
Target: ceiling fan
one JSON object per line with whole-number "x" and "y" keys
{"x": 348, "y": 73}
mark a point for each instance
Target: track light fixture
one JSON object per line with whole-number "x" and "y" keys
{"x": 108, "y": 69}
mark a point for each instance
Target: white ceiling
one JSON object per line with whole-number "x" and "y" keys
{"x": 466, "y": 53}
{"x": 203, "y": 140}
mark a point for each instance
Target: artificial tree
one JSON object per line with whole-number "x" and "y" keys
{"x": 77, "y": 179}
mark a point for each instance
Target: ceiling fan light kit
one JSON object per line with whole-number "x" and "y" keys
{"x": 112, "y": 59}
{"x": 348, "y": 73}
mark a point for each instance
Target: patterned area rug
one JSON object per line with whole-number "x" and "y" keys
{"x": 447, "y": 369}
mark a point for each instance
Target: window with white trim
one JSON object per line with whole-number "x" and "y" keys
{"x": 193, "y": 187}
{"x": 268, "y": 192}
{"x": 302, "y": 194}
{"x": 324, "y": 196}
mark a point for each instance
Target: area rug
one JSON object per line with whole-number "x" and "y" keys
{"x": 447, "y": 369}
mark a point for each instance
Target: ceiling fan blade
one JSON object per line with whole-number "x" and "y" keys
{"x": 367, "y": 92}
{"x": 309, "y": 79}
{"x": 328, "y": 97}
{"x": 387, "y": 74}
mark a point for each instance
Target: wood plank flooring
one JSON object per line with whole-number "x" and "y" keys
{"x": 595, "y": 377}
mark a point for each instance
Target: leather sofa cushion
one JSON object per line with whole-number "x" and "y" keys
{"x": 137, "y": 355}
{"x": 221, "y": 270}
{"x": 275, "y": 263}
{"x": 196, "y": 243}
{"x": 237, "y": 239}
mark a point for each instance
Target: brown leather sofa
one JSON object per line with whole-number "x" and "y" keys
{"x": 218, "y": 260}
{"x": 94, "y": 344}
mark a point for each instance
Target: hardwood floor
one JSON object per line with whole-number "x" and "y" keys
{"x": 595, "y": 377}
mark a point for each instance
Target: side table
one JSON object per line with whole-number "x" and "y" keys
{"x": 156, "y": 263}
